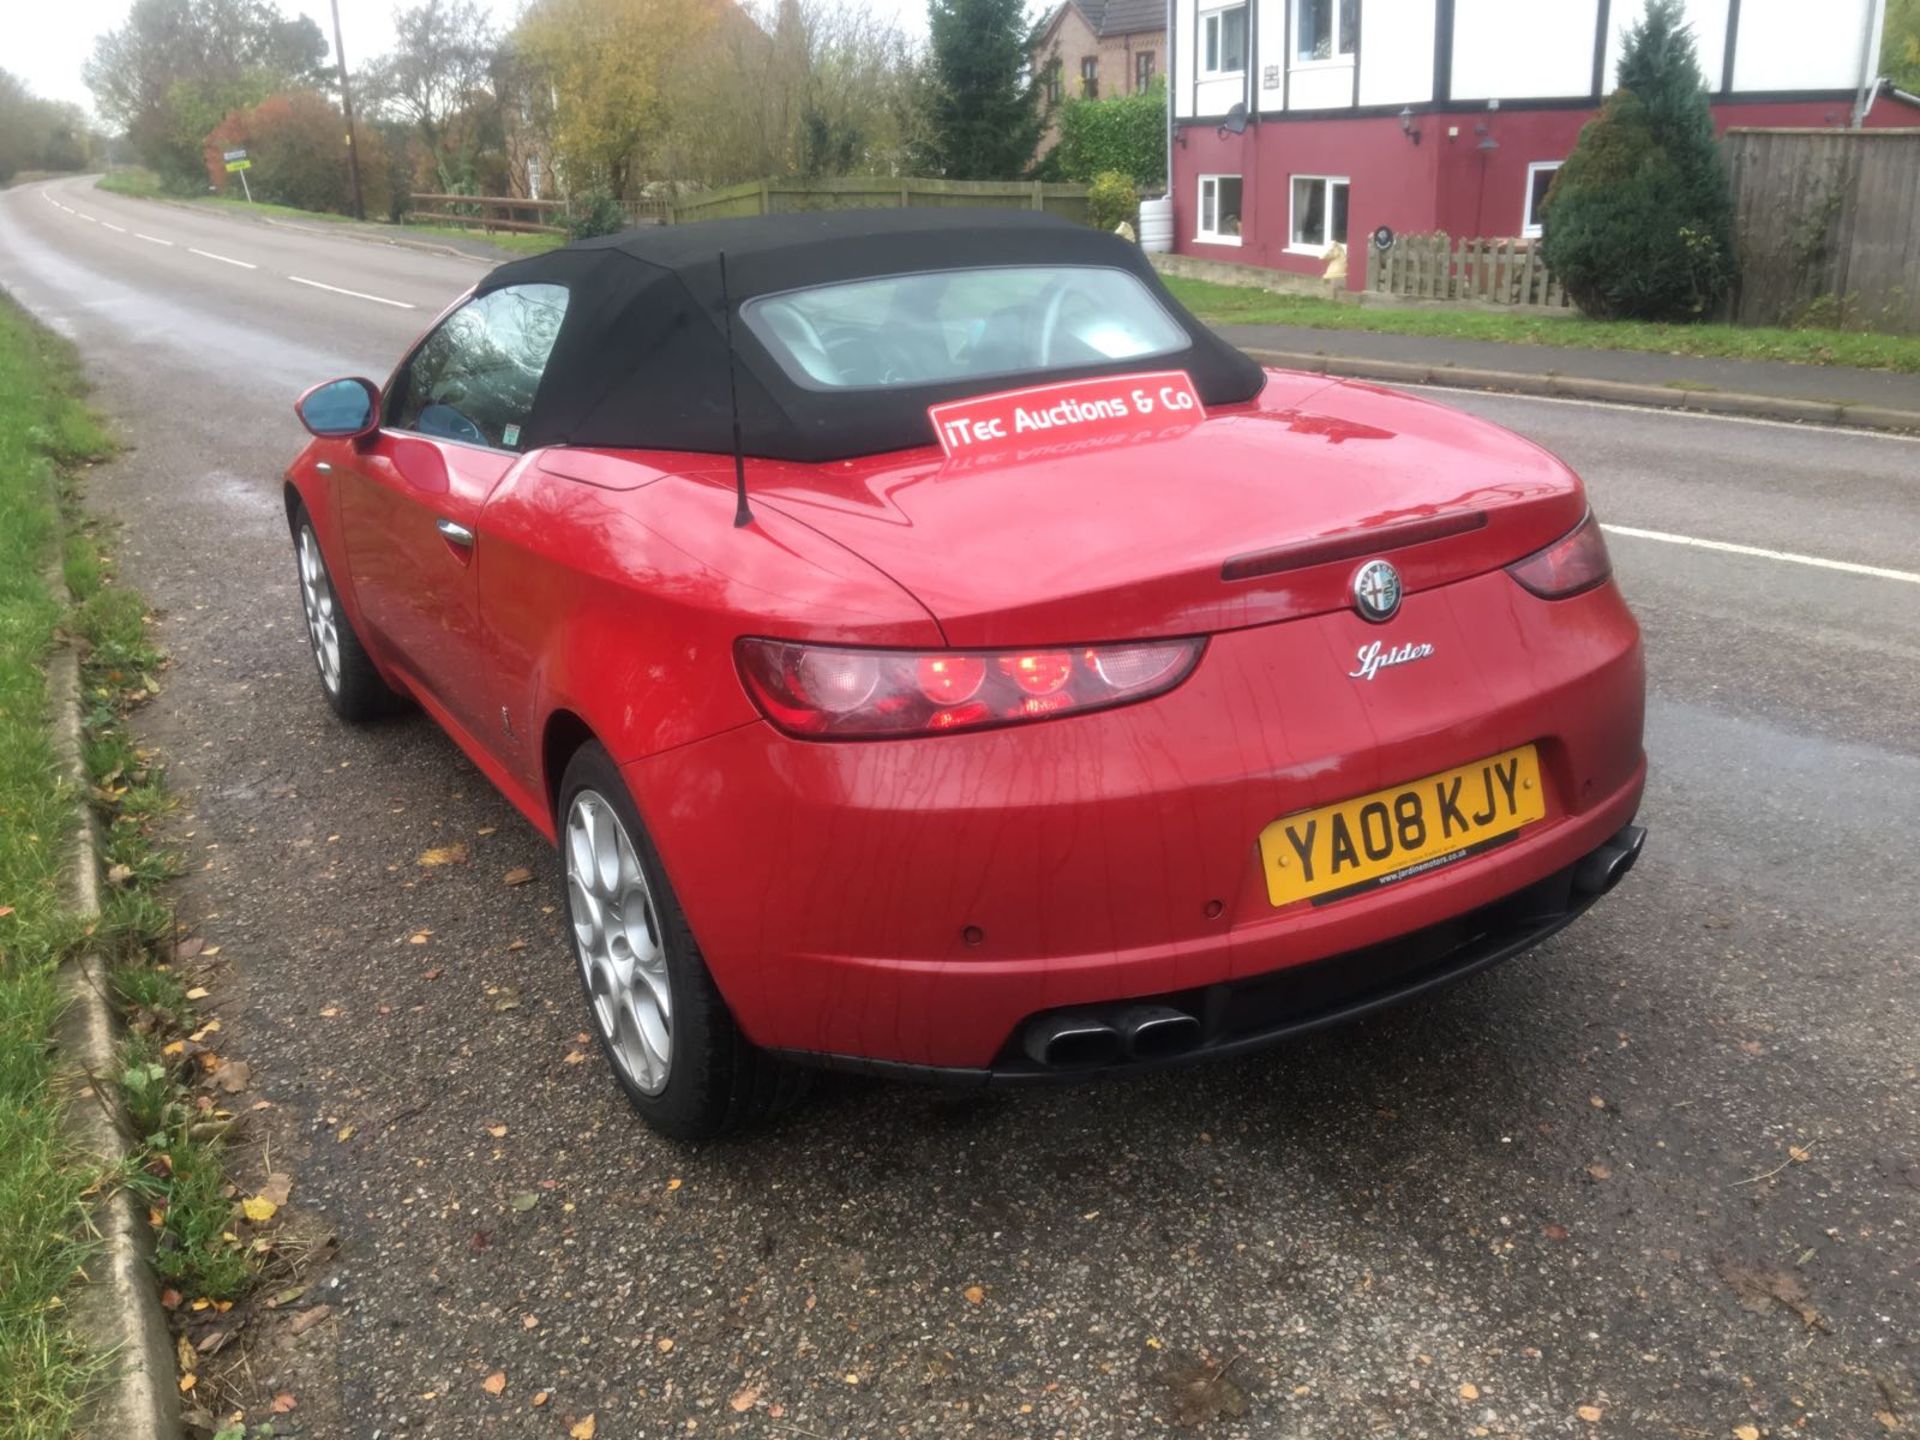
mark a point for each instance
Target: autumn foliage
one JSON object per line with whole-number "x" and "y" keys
{"x": 297, "y": 143}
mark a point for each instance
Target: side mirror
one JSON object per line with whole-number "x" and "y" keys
{"x": 340, "y": 409}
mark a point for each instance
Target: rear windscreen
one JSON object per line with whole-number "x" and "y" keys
{"x": 945, "y": 325}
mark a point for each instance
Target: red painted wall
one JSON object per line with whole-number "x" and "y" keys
{"x": 1440, "y": 184}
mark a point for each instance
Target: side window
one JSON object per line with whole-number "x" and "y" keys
{"x": 473, "y": 379}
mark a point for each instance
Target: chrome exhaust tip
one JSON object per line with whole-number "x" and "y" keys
{"x": 1153, "y": 1031}
{"x": 1072, "y": 1042}
{"x": 1608, "y": 866}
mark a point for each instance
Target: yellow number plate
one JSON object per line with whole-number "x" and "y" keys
{"x": 1357, "y": 845}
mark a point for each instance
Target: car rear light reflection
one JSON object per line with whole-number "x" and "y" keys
{"x": 1575, "y": 562}
{"x": 830, "y": 693}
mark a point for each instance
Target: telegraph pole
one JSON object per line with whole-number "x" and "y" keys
{"x": 346, "y": 108}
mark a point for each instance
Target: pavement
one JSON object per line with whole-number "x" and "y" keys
{"x": 1659, "y": 1178}
{"x": 1824, "y": 384}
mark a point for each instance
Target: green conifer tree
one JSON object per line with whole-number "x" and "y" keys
{"x": 982, "y": 119}
{"x": 1639, "y": 222}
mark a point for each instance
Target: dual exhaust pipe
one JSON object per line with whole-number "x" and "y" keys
{"x": 1085, "y": 1040}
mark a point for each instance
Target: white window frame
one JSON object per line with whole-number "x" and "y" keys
{"x": 1217, "y": 18}
{"x": 1327, "y": 182}
{"x": 1530, "y": 226}
{"x": 1297, "y": 61}
{"x": 1201, "y": 234}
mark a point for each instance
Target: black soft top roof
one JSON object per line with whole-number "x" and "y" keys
{"x": 641, "y": 358}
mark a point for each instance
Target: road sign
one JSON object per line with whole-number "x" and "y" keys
{"x": 237, "y": 160}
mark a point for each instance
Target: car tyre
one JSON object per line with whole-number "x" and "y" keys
{"x": 661, "y": 1021}
{"x": 352, "y": 685}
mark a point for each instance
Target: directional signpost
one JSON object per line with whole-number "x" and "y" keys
{"x": 239, "y": 164}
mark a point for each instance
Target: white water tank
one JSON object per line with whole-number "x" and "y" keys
{"x": 1156, "y": 225}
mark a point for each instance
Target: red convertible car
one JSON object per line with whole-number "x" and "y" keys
{"x": 935, "y": 653}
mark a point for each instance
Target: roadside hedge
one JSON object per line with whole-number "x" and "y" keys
{"x": 1127, "y": 133}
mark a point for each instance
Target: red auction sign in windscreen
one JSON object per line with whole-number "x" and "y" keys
{"x": 1070, "y": 410}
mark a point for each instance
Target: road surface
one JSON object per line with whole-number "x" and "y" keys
{"x": 1664, "y": 1172}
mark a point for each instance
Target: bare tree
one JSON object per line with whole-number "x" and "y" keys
{"x": 437, "y": 73}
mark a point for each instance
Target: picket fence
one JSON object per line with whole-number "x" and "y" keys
{"x": 1438, "y": 267}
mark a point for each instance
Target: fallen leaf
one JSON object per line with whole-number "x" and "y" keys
{"x": 1599, "y": 1171}
{"x": 187, "y": 1382}
{"x": 541, "y": 1397}
{"x": 198, "y": 992}
{"x": 675, "y": 1183}
{"x": 1798, "y": 1156}
{"x": 1469, "y": 1391}
{"x": 1746, "y": 1432}
{"x": 454, "y": 854}
{"x": 975, "y": 1295}
{"x": 1761, "y": 1286}
{"x": 5, "y": 910}
{"x": 308, "y": 1318}
{"x": 525, "y": 1200}
{"x": 1596, "y": 1102}
{"x": 344, "y": 1133}
{"x": 419, "y": 937}
{"x": 1590, "y": 1413}
{"x": 487, "y": 830}
{"x": 513, "y": 945}
{"x": 120, "y": 875}
{"x": 276, "y": 1187}
{"x": 258, "y": 1209}
{"x": 283, "y": 1402}
{"x": 582, "y": 1429}
{"x": 499, "y": 1132}
{"x": 1554, "y": 1232}
{"x": 495, "y": 1383}
{"x": 572, "y": 1057}
{"x": 329, "y": 1012}
{"x": 527, "y": 1322}
{"x": 519, "y": 875}
{"x": 853, "y": 1377}
{"x": 232, "y": 1076}
{"x": 745, "y": 1400}
{"x": 170, "y": 1299}
{"x": 665, "y": 1344}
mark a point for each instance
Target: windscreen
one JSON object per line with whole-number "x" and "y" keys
{"x": 940, "y": 326}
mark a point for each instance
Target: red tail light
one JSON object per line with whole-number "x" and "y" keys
{"x": 1575, "y": 562}
{"x": 827, "y": 692}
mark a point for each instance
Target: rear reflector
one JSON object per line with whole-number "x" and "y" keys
{"x": 1351, "y": 544}
{"x": 828, "y": 692}
{"x": 1575, "y": 562}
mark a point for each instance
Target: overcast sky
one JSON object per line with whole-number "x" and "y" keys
{"x": 46, "y": 44}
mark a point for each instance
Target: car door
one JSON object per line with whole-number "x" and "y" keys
{"x": 410, "y": 512}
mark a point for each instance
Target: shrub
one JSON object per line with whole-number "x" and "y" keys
{"x": 595, "y": 212}
{"x": 1639, "y": 221}
{"x": 1112, "y": 200}
{"x": 1127, "y": 133}
{"x": 297, "y": 143}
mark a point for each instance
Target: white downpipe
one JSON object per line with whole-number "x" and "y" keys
{"x": 1869, "y": 62}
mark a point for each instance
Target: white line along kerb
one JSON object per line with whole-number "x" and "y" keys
{"x": 223, "y": 259}
{"x": 1878, "y": 572}
{"x": 356, "y": 294}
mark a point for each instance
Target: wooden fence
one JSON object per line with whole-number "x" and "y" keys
{"x": 1437, "y": 267}
{"x": 782, "y": 197}
{"x": 489, "y": 212}
{"x": 1827, "y": 226}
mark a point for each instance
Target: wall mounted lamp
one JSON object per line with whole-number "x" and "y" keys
{"x": 1406, "y": 126}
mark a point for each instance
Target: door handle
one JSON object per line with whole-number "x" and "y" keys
{"x": 454, "y": 533}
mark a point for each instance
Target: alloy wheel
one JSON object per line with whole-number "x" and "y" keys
{"x": 619, "y": 943}
{"x": 323, "y": 616}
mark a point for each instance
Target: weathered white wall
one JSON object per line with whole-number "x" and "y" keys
{"x": 1181, "y": 77}
{"x": 1509, "y": 50}
{"x": 1396, "y": 48}
{"x": 1789, "y": 45}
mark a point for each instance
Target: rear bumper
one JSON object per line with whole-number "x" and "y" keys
{"x": 1241, "y": 1017}
{"x": 918, "y": 901}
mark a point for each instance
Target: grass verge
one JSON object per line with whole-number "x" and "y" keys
{"x": 1240, "y": 305}
{"x": 46, "y": 434}
{"x": 43, "y": 1184}
{"x": 145, "y": 185}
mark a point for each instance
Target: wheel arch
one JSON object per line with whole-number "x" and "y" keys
{"x": 560, "y": 737}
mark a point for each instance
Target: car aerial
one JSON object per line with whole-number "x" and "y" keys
{"x": 935, "y": 653}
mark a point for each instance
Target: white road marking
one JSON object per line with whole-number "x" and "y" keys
{"x": 1805, "y": 427}
{"x": 356, "y": 294}
{"x": 223, "y": 259}
{"x": 1878, "y": 572}
{"x": 153, "y": 239}
{"x": 117, "y": 229}
{"x": 86, "y": 217}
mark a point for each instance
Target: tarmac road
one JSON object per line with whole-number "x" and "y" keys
{"x": 1570, "y": 1183}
